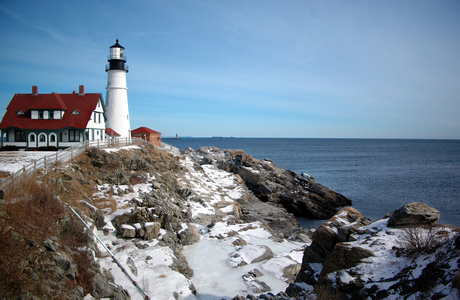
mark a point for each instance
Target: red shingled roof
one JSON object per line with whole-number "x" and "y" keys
{"x": 111, "y": 132}
{"x": 141, "y": 130}
{"x": 83, "y": 103}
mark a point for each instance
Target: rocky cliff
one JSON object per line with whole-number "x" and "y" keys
{"x": 152, "y": 209}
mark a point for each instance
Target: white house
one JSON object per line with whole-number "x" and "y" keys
{"x": 60, "y": 120}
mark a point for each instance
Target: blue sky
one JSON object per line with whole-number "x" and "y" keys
{"x": 323, "y": 69}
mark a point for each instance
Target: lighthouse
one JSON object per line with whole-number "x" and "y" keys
{"x": 117, "y": 92}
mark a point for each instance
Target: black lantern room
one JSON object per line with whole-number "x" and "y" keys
{"x": 117, "y": 58}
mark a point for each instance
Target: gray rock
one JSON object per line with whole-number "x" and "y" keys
{"x": 256, "y": 273}
{"x": 188, "y": 236}
{"x": 127, "y": 231}
{"x": 268, "y": 253}
{"x": 415, "y": 213}
{"x": 66, "y": 264}
{"x": 131, "y": 266}
{"x": 50, "y": 245}
{"x": 152, "y": 230}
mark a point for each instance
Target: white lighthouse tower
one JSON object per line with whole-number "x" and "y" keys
{"x": 117, "y": 92}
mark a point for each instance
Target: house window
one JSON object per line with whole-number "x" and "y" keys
{"x": 19, "y": 136}
{"x": 53, "y": 138}
{"x": 42, "y": 138}
{"x": 40, "y": 114}
{"x": 74, "y": 136}
{"x": 32, "y": 138}
{"x": 50, "y": 114}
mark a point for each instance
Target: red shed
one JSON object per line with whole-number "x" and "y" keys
{"x": 148, "y": 135}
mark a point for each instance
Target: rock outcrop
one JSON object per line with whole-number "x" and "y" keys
{"x": 413, "y": 214}
{"x": 364, "y": 260}
{"x": 298, "y": 194}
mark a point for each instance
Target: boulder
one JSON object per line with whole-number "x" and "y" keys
{"x": 248, "y": 254}
{"x": 188, "y": 236}
{"x": 127, "y": 231}
{"x": 152, "y": 230}
{"x": 340, "y": 228}
{"x": 343, "y": 257}
{"x": 415, "y": 213}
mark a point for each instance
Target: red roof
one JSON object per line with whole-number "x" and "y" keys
{"x": 111, "y": 132}
{"x": 141, "y": 130}
{"x": 83, "y": 103}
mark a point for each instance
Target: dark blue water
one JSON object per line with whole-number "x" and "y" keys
{"x": 378, "y": 175}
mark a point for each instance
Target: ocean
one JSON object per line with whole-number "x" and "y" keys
{"x": 378, "y": 175}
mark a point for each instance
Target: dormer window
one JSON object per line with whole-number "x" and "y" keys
{"x": 20, "y": 112}
{"x": 40, "y": 114}
{"x": 51, "y": 114}
{"x": 75, "y": 112}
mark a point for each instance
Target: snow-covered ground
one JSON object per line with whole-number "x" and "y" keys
{"x": 13, "y": 161}
{"x": 213, "y": 258}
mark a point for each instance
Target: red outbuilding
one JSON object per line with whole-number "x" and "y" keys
{"x": 148, "y": 135}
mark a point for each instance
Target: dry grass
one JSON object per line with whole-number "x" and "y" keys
{"x": 421, "y": 238}
{"x": 34, "y": 213}
{"x": 106, "y": 204}
{"x": 323, "y": 292}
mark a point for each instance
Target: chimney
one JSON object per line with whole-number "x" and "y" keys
{"x": 81, "y": 90}
{"x": 34, "y": 90}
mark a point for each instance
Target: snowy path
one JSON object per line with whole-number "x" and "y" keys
{"x": 211, "y": 257}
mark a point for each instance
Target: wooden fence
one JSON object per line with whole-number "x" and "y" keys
{"x": 69, "y": 153}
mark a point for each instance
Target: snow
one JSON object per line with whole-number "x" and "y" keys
{"x": 215, "y": 277}
{"x": 13, "y": 161}
{"x": 384, "y": 265}
{"x": 109, "y": 150}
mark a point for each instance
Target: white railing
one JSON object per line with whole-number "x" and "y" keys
{"x": 69, "y": 153}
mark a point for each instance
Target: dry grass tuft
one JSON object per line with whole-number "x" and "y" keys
{"x": 106, "y": 204}
{"x": 324, "y": 292}
{"x": 421, "y": 238}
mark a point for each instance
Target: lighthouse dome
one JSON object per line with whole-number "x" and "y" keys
{"x": 117, "y": 51}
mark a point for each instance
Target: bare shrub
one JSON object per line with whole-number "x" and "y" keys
{"x": 420, "y": 238}
{"x": 323, "y": 292}
{"x": 83, "y": 259}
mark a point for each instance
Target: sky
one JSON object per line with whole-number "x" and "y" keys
{"x": 252, "y": 68}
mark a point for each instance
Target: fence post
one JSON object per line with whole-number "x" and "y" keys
{"x": 44, "y": 161}
{"x": 23, "y": 169}
{"x": 35, "y": 165}
{"x": 71, "y": 152}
